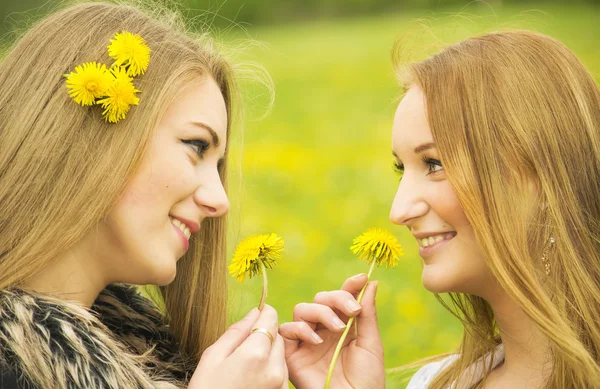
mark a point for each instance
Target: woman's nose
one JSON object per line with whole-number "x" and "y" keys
{"x": 408, "y": 204}
{"x": 211, "y": 196}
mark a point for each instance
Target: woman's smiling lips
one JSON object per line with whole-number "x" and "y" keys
{"x": 430, "y": 242}
{"x": 184, "y": 229}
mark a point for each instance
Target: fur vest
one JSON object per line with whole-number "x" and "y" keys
{"x": 122, "y": 341}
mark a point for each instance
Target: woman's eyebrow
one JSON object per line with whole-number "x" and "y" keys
{"x": 213, "y": 133}
{"x": 425, "y": 146}
{"x": 419, "y": 149}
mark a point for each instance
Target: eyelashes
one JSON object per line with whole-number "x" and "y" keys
{"x": 399, "y": 169}
{"x": 434, "y": 166}
{"x": 198, "y": 145}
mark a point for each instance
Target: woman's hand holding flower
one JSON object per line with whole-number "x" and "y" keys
{"x": 308, "y": 357}
{"x": 242, "y": 359}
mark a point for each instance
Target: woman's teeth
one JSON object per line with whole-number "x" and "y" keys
{"x": 426, "y": 242}
{"x": 182, "y": 227}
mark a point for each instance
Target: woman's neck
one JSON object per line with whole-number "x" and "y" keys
{"x": 526, "y": 348}
{"x": 72, "y": 276}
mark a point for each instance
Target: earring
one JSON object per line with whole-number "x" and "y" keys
{"x": 547, "y": 249}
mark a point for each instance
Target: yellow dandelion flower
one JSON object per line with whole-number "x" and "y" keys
{"x": 119, "y": 96}
{"x": 88, "y": 82}
{"x": 252, "y": 251}
{"x": 130, "y": 50}
{"x": 255, "y": 254}
{"x": 379, "y": 245}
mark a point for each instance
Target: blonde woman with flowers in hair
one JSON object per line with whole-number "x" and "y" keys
{"x": 114, "y": 129}
{"x": 497, "y": 142}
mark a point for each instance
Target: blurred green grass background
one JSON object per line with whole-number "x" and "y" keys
{"x": 317, "y": 170}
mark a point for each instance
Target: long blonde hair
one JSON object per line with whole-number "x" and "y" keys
{"x": 506, "y": 110}
{"x": 62, "y": 167}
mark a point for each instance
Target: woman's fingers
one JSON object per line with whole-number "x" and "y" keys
{"x": 368, "y": 330}
{"x": 341, "y": 300}
{"x": 354, "y": 284}
{"x": 261, "y": 339}
{"x": 232, "y": 338}
{"x": 324, "y": 312}
{"x": 298, "y": 331}
{"x": 285, "y": 384}
{"x": 251, "y": 357}
{"x": 318, "y": 314}
{"x": 277, "y": 367}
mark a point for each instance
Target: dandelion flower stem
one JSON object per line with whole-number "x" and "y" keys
{"x": 261, "y": 305}
{"x": 340, "y": 344}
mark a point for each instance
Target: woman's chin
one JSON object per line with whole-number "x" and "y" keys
{"x": 160, "y": 273}
{"x": 436, "y": 279}
{"x": 165, "y": 279}
{"x": 165, "y": 275}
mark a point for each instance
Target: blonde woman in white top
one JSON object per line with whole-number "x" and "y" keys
{"x": 497, "y": 142}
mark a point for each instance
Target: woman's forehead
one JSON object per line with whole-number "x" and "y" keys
{"x": 201, "y": 102}
{"x": 411, "y": 127}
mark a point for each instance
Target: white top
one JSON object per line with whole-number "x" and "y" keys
{"x": 471, "y": 376}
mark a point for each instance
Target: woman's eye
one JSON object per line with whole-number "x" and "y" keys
{"x": 434, "y": 164}
{"x": 399, "y": 169}
{"x": 198, "y": 145}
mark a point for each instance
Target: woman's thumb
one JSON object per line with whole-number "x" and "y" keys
{"x": 368, "y": 329}
{"x": 235, "y": 335}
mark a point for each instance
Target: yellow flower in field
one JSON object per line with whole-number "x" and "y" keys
{"x": 253, "y": 251}
{"x": 119, "y": 96}
{"x": 379, "y": 245}
{"x": 88, "y": 82}
{"x": 130, "y": 50}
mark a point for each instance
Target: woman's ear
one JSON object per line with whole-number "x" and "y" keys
{"x": 535, "y": 194}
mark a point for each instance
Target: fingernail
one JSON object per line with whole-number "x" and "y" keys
{"x": 357, "y": 276}
{"x": 338, "y": 323}
{"x": 317, "y": 338}
{"x": 352, "y": 306}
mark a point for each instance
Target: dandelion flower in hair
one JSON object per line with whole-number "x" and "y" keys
{"x": 255, "y": 254}
{"x": 119, "y": 96}
{"x": 130, "y": 50}
{"x": 93, "y": 84}
{"x": 377, "y": 247}
{"x": 88, "y": 82}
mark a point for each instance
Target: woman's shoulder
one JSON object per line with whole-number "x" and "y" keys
{"x": 425, "y": 375}
{"x": 473, "y": 374}
{"x": 90, "y": 345}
